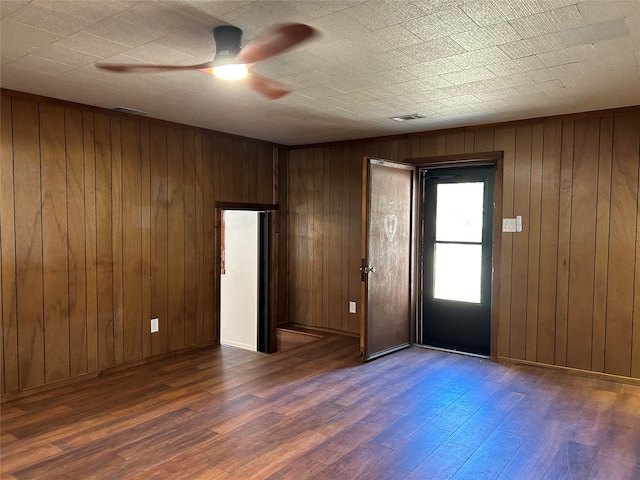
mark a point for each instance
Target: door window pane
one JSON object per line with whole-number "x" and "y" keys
{"x": 457, "y": 272}
{"x": 459, "y": 212}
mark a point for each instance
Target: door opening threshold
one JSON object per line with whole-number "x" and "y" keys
{"x": 450, "y": 350}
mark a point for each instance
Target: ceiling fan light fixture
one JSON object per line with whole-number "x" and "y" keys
{"x": 228, "y": 43}
{"x": 231, "y": 71}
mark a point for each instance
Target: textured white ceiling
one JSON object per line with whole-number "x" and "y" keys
{"x": 455, "y": 62}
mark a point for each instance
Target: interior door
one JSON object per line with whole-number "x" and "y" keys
{"x": 456, "y": 251}
{"x": 388, "y": 209}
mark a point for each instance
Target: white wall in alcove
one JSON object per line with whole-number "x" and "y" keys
{"x": 239, "y": 283}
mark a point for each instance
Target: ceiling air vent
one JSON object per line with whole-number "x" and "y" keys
{"x": 405, "y": 118}
{"x": 130, "y": 111}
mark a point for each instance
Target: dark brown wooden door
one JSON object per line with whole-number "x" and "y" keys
{"x": 387, "y": 257}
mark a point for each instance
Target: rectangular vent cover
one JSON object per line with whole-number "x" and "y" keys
{"x": 130, "y": 111}
{"x": 405, "y": 118}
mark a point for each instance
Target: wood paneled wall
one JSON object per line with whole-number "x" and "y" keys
{"x": 107, "y": 221}
{"x": 570, "y": 282}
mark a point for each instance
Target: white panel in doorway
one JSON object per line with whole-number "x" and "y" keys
{"x": 239, "y": 284}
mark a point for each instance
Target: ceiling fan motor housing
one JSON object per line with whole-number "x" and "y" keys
{"x": 228, "y": 43}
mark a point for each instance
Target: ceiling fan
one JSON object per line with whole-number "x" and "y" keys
{"x": 232, "y": 62}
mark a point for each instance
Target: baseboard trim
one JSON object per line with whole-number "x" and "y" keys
{"x": 571, "y": 371}
{"x": 9, "y": 396}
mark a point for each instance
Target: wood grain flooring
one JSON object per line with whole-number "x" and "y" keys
{"x": 317, "y": 412}
{"x": 288, "y": 339}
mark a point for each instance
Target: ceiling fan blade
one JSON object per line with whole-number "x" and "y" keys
{"x": 267, "y": 87}
{"x": 274, "y": 41}
{"x": 133, "y": 68}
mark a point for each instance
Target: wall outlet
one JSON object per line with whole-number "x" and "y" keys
{"x": 154, "y": 325}
{"x": 352, "y": 307}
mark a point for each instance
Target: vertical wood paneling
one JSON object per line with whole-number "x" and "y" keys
{"x": 272, "y": 157}
{"x": 304, "y": 261}
{"x": 243, "y": 169}
{"x": 117, "y": 239}
{"x": 469, "y": 141}
{"x": 294, "y": 246}
{"x": 404, "y": 150}
{"x": 106, "y": 222}
{"x": 258, "y": 165}
{"x": 384, "y": 150}
{"x": 428, "y": 146}
{"x": 564, "y": 242}
{"x": 549, "y": 241}
{"x": 441, "y": 144}
{"x": 251, "y": 174}
{"x": 54, "y": 242}
{"x": 8, "y": 252}
{"x": 344, "y": 222}
{"x": 505, "y": 140}
{"x": 534, "y": 220}
{"x": 602, "y": 243}
{"x": 236, "y": 161}
{"x": 484, "y": 140}
{"x": 335, "y": 237}
{"x": 356, "y": 152}
{"x": 454, "y": 143}
{"x": 520, "y": 242}
{"x": 415, "y": 147}
{"x": 145, "y": 238}
{"x": 556, "y": 286}
{"x": 199, "y": 240}
{"x": 28, "y": 243}
{"x": 280, "y": 158}
{"x": 394, "y": 153}
{"x": 316, "y": 184}
{"x": 189, "y": 240}
{"x": 132, "y": 216}
{"x": 175, "y": 238}
{"x": 326, "y": 235}
{"x": 76, "y": 237}
{"x": 211, "y": 152}
{"x": 159, "y": 251}
{"x": 91, "y": 279}
{"x": 226, "y": 178}
{"x": 108, "y": 178}
{"x": 104, "y": 251}
{"x": 622, "y": 236}
{"x": 583, "y": 236}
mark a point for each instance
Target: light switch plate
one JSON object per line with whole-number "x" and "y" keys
{"x": 154, "y": 325}
{"x": 352, "y": 307}
{"x": 509, "y": 225}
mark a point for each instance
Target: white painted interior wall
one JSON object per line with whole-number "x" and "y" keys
{"x": 239, "y": 283}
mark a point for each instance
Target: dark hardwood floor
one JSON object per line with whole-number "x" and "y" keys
{"x": 317, "y": 412}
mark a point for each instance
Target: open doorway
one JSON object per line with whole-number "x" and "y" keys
{"x": 246, "y": 280}
{"x": 239, "y": 279}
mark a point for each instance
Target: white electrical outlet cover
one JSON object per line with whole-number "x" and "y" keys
{"x": 352, "y": 307}
{"x": 154, "y": 325}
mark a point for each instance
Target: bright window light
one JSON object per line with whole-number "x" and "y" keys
{"x": 231, "y": 71}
